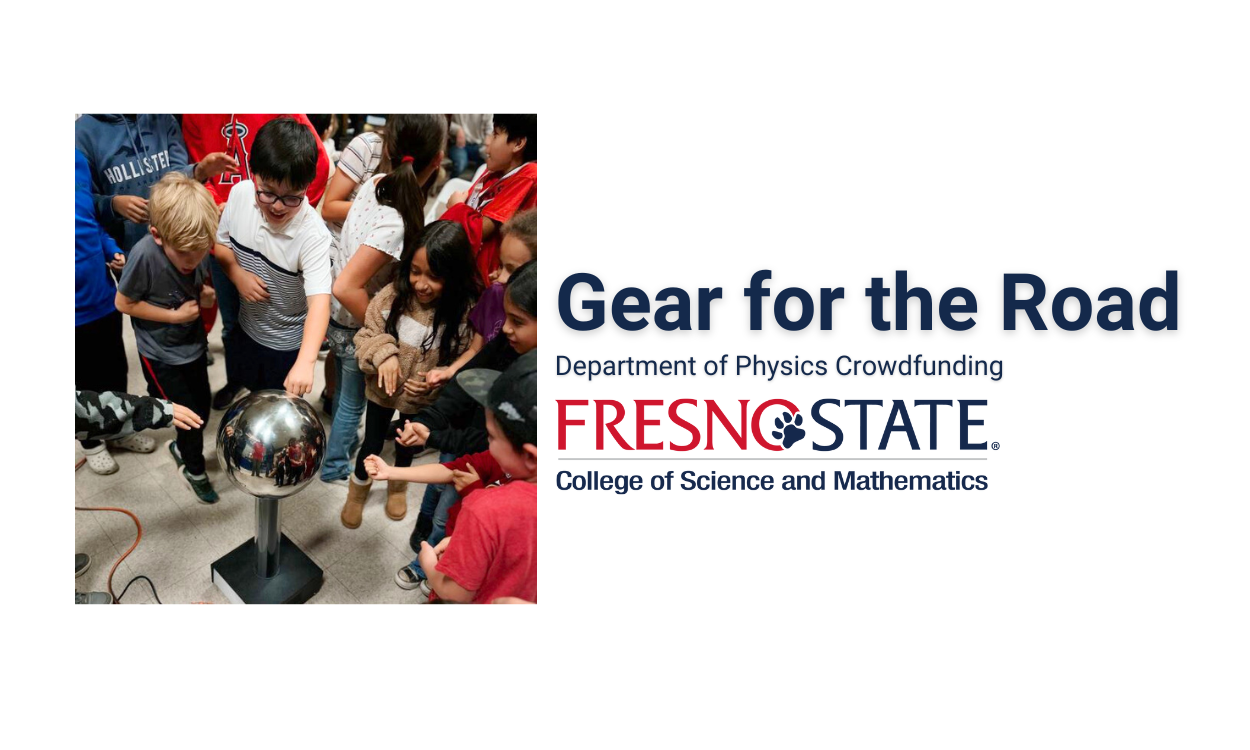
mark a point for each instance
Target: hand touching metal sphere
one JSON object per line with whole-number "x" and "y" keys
{"x": 271, "y": 444}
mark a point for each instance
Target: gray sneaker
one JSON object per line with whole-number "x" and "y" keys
{"x": 82, "y": 561}
{"x": 94, "y": 597}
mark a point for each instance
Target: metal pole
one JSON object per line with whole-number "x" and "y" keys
{"x": 268, "y": 535}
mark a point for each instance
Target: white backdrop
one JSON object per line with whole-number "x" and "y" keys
{"x": 1094, "y": 596}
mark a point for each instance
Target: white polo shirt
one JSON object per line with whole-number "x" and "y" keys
{"x": 294, "y": 263}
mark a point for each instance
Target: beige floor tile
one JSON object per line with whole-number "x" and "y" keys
{"x": 195, "y": 588}
{"x": 333, "y": 592}
{"x": 89, "y": 537}
{"x": 88, "y": 484}
{"x": 368, "y": 572}
{"x": 312, "y": 520}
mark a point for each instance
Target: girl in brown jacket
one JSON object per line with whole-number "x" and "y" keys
{"x": 415, "y": 336}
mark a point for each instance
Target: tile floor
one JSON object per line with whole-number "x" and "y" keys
{"x": 182, "y": 537}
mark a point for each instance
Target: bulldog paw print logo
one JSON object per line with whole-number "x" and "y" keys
{"x": 788, "y": 430}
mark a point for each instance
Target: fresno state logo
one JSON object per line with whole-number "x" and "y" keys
{"x": 747, "y": 425}
{"x": 234, "y": 132}
{"x": 687, "y": 424}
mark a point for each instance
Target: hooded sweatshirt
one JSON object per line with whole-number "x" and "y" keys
{"x": 93, "y": 249}
{"x": 127, "y": 155}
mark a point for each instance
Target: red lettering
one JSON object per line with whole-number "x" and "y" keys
{"x": 755, "y": 421}
{"x": 643, "y": 422}
{"x": 694, "y": 431}
{"x": 610, "y": 426}
{"x": 739, "y": 437}
{"x": 563, "y": 421}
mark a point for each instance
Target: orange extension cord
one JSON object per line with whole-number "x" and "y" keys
{"x": 138, "y": 536}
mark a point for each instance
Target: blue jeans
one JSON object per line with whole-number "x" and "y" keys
{"x": 228, "y": 306}
{"x": 349, "y": 404}
{"x": 437, "y": 502}
{"x": 461, "y": 157}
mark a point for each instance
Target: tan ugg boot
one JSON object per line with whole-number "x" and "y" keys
{"x": 354, "y": 508}
{"x": 396, "y": 500}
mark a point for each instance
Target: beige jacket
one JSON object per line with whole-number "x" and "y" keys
{"x": 374, "y": 346}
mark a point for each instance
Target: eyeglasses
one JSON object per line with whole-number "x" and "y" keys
{"x": 268, "y": 198}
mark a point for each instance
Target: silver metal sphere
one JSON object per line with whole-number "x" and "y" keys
{"x": 271, "y": 444}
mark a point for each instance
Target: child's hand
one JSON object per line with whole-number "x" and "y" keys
{"x": 300, "y": 379}
{"x": 131, "y": 207}
{"x": 465, "y": 478}
{"x": 416, "y": 385}
{"x": 428, "y": 556}
{"x": 376, "y": 468}
{"x": 438, "y": 376}
{"x": 186, "y": 312}
{"x": 214, "y": 164}
{"x": 442, "y": 546}
{"x": 456, "y": 198}
{"x": 389, "y": 375}
{"x": 208, "y": 296}
{"x": 413, "y": 434}
{"x": 118, "y": 262}
{"x": 251, "y": 287}
{"x": 185, "y": 419}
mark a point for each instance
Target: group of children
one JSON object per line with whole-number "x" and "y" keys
{"x": 436, "y": 322}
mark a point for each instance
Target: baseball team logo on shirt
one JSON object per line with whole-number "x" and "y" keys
{"x": 234, "y": 133}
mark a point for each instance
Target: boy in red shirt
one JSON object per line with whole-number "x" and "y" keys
{"x": 494, "y": 550}
{"x": 509, "y": 184}
{"x": 233, "y": 134}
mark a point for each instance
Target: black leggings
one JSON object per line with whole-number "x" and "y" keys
{"x": 377, "y": 432}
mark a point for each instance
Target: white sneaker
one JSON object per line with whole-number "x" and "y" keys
{"x": 135, "y": 443}
{"x": 99, "y": 460}
{"x": 407, "y": 579}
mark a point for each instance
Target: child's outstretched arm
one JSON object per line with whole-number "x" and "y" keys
{"x": 99, "y": 416}
{"x": 440, "y": 375}
{"x": 425, "y": 474}
{"x": 300, "y": 379}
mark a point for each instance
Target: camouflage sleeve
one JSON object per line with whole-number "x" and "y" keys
{"x": 113, "y": 415}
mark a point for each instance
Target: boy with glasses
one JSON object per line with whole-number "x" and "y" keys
{"x": 276, "y": 251}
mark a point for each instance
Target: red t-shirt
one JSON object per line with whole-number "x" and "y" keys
{"x": 488, "y": 472}
{"x": 494, "y": 551}
{"x": 497, "y": 197}
{"x": 205, "y": 134}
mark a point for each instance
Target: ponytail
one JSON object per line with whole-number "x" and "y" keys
{"x": 411, "y": 143}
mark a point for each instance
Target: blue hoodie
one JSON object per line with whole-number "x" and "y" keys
{"x": 93, "y": 249}
{"x": 127, "y": 155}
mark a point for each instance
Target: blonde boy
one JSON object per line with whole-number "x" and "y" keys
{"x": 162, "y": 289}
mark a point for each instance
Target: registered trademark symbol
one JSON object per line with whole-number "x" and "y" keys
{"x": 994, "y": 446}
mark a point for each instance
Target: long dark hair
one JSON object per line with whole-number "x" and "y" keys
{"x": 450, "y": 258}
{"x": 421, "y": 138}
